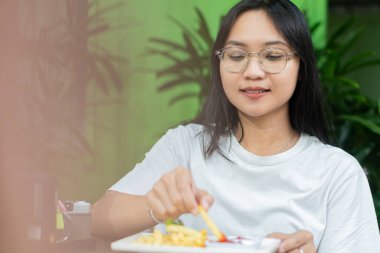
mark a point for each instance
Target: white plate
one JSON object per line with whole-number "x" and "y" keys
{"x": 266, "y": 245}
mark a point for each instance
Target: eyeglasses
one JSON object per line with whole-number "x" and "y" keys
{"x": 271, "y": 60}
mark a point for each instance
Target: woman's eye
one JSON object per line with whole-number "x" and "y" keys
{"x": 236, "y": 57}
{"x": 274, "y": 57}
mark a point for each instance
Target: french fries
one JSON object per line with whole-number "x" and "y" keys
{"x": 214, "y": 229}
{"x": 177, "y": 235}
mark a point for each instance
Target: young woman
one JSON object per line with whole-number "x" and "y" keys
{"x": 256, "y": 157}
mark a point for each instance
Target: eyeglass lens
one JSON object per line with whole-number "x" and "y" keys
{"x": 271, "y": 60}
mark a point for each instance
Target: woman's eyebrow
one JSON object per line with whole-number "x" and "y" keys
{"x": 235, "y": 43}
{"x": 268, "y": 43}
{"x": 276, "y": 42}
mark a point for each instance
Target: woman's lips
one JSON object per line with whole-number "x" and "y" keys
{"x": 255, "y": 92}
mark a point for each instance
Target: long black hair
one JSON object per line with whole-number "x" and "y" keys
{"x": 306, "y": 106}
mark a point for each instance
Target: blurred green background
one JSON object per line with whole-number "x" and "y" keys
{"x": 88, "y": 93}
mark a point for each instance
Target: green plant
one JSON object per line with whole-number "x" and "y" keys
{"x": 189, "y": 61}
{"x": 355, "y": 118}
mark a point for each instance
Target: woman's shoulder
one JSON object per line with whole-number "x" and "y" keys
{"x": 333, "y": 156}
{"x": 186, "y": 132}
{"x": 190, "y": 128}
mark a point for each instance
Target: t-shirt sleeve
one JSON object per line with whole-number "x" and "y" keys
{"x": 351, "y": 219}
{"x": 167, "y": 154}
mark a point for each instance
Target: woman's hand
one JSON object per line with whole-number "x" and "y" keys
{"x": 299, "y": 242}
{"x": 175, "y": 194}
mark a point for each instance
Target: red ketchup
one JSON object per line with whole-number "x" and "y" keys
{"x": 223, "y": 238}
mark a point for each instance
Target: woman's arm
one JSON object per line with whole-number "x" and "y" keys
{"x": 120, "y": 214}
{"x": 351, "y": 218}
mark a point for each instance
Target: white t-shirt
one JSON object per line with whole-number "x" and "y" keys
{"x": 312, "y": 186}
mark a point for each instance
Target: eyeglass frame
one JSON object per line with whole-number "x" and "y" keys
{"x": 248, "y": 58}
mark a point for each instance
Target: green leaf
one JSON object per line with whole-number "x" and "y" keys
{"x": 364, "y": 64}
{"x": 189, "y": 32}
{"x": 338, "y": 32}
{"x": 348, "y": 44}
{"x": 167, "y": 43}
{"x": 348, "y": 82}
{"x": 329, "y": 69}
{"x": 314, "y": 27}
{"x": 368, "y": 123}
{"x": 203, "y": 30}
{"x": 344, "y": 134}
{"x": 176, "y": 82}
{"x": 357, "y": 58}
{"x": 183, "y": 96}
{"x": 98, "y": 77}
{"x": 99, "y": 14}
{"x": 163, "y": 53}
{"x": 190, "y": 48}
{"x": 187, "y": 65}
{"x": 112, "y": 72}
{"x": 363, "y": 152}
{"x": 190, "y": 59}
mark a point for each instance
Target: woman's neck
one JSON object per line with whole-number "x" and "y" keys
{"x": 265, "y": 136}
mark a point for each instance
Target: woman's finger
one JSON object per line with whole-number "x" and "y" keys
{"x": 301, "y": 239}
{"x": 174, "y": 195}
{"x": 308, "y": 248}
{"x": 277, "y": 235}
{"x": 172, "y": 201}
{"x": 155, "y": 205}
{"x": 204, "y": 198}
{"x": 185, "y": 186}
{"x": 280, "y": 236}
{"x": 160, "y": 191}
{"x": 290, "y": 243}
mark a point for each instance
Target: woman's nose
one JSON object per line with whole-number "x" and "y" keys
{"x": 253, "y": 69}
